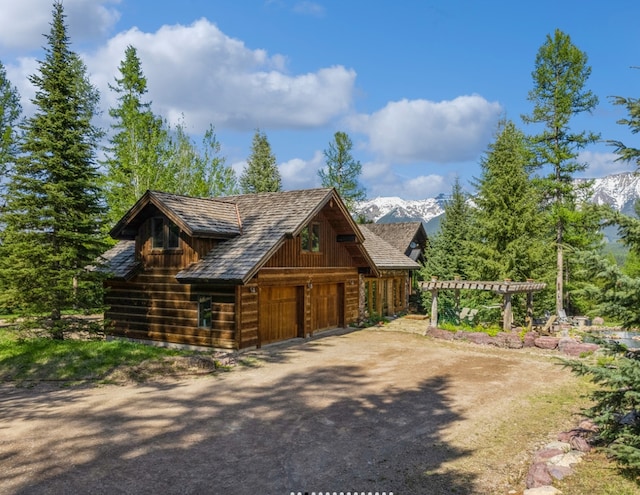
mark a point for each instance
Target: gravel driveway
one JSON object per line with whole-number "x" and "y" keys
{"x": 359, "y": 411}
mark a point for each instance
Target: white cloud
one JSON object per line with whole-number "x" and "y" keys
{"x": 381, "y": 180}
{"x": 23, "y": 22}
{"x": 602, "y": 164}
{"x": 409, "y": 131}
{"x": 301, "y": 174}
{"x": 201, "y": 73}
{"x": 309, "y": 8}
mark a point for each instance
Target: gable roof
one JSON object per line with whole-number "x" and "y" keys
{"x": 254, "y": 226}
{"x": 384, "y": 255}
{"x": 400, "y": 234}
{"x": 268, "y": 219}
{"x": 198, "y": 217}
{"x": 120, "y": 260}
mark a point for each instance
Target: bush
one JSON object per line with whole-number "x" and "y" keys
{"x": 616, "y": 409}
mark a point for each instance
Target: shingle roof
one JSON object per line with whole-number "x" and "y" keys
{"x": 398, "y": 234}
{"x": 120, "y": 260}
{"x": 384, "y": 255}
{"x": 199, "y": 217}
{"x": 267, "y": 219}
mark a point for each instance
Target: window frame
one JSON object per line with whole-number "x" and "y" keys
{"x": 165, "y": 235}
{"x": 310, "y": 238}
{"x": 203, "y": 301}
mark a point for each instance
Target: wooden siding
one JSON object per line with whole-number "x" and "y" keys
{"x": 332, "y": 253}
{"x": 154, "y": 306}
{"x": 189, "y": 251}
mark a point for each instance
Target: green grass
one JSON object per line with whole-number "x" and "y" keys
{"x": 42, "y": 358}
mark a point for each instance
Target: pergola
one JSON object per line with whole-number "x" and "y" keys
{"x": 506, "y": 288}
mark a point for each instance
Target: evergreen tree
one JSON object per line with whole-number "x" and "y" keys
{"x": 261, "y": 173}
{"x": 342, "y": 170}
{"x": 559, "y": 93}
{"x": 448, "y": 255}
{"x": 632, "y": 105}
{"x": 507, "y": 225}
{"x": 138, "y": 147}
{"x": 10, "y": 111}
{"x": 53, "y": 215}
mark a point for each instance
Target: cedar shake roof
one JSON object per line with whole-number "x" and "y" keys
{"x": 267, "y": 220}
{"x": 254, "y": 226}
{"x": 399, "y": 235}
{"x": 384, "y": 255}
{"x": 121, "y": 259}
{"x": 198, "y": 217}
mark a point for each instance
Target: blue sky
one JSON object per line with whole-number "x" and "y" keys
{"x": 418, "y": 85}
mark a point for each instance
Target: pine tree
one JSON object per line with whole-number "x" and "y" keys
{"x": 261, "y": 173}
{"x": 449, "y": 254}
{"x": 342, "y": 170}
{"x": 506, "y": 219}
{"x": 53, "y": 215}
{"x": 10, "y": 111}
{"x": 559, "y": 93}
{"x": 139, "y": 145}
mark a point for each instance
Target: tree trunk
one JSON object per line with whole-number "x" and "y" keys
{"x": 560, "y": 271}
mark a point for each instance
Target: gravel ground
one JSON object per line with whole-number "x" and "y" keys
{"x": 374, "y": 410}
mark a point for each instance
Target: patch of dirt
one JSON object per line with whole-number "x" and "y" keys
{"x": 374, "y": 410}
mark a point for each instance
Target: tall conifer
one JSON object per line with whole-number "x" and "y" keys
{"x": 261, "y": 173}
{"x": 54, "y": 213}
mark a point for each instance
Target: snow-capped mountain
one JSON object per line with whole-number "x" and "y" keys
{"x": 619, "y": 190}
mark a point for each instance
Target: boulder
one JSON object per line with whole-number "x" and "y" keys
{"x": 438, "y": 333}
{"x": 480, "y": 338}
{"x": 542, "y": 490}
{"x": 545, "y": 454}
{"x": 560, "y": 472}
{"x": 577, "y": 349}
{"x": 530, "y": 339}
{"x": 538, "y": 475}
{"x": 547, "y": 342}
{"x": 598, "y": 320}
{"x": 510, "y": 340}
{"x": 580, "y": 444}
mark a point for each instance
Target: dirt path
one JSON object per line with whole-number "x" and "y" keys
{"x": 364, "y": 411}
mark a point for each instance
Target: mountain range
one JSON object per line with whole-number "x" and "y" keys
{"x": 618, "y": 190}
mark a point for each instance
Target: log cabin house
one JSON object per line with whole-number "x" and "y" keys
{"x": 387, "y": 292}
{"x": 236, "y": 271}
{"x": 409, "y": 238}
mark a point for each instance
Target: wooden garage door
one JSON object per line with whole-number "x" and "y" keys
{"x": 326, "y": 306}
{"x": 279, "y": 313}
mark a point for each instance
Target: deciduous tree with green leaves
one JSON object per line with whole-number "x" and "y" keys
{"x": 261, "y": 173}
{"x": 559, "y": 94}
{"x": 342, "y": 170}
{"x": 54, "y": 211}
{"x": 138, "y": 148}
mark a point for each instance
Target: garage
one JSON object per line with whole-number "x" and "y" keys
{"x": 327, "y": 308}
{"x": 280, "y": 313}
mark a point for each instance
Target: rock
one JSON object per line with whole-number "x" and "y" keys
{"x": 545, "y": 454}
{"x": 560, "y": 472}
{"x": 566, "y": 460}
{"x": 530, "y": 339}
{"x": 542, "y": 490}
{"x": 588, "y": 425}
{"x": 438, "y": 333}
{"x": 580, "y": 444}
{"x": 563, "y": 446}
{"x": 598, "y": 320}
{"x": 510, "y": 340}
{"x": 547, "y": 342}
{"x": 538, "y": 475}
{"x": 479, "y": 338}
{"x": 573, "y": 348}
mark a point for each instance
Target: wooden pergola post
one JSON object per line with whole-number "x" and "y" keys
{"x": 507, "y": 319}
{"x": 434, "y": 305}
{"x": 529, "y": 310}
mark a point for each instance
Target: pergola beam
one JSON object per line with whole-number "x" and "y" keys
{"x": 505, "y": 287}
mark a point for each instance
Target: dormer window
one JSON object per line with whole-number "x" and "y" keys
{"x": 310, "y": 238}
{"x": 164, "y": 234}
